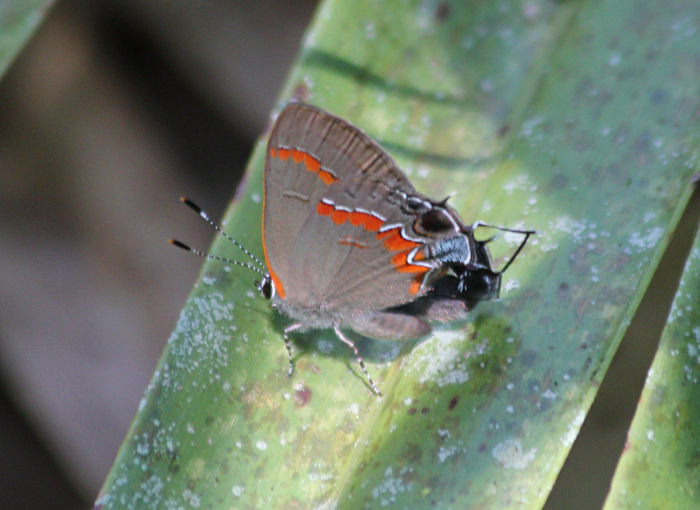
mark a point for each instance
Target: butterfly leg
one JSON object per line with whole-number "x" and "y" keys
{"x": 350, "y": 344}
{"x": 288, "y": 345}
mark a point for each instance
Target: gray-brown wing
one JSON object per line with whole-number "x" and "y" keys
{"x": 329, "y": 189}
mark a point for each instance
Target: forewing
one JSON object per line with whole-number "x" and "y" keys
{"x": 330, "y": 194}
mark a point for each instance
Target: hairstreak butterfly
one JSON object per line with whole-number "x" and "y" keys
{"x": 349, "y": 244}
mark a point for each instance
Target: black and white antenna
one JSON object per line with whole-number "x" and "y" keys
{"x": 526, "y": 233}
{"x": 258, "y": 267}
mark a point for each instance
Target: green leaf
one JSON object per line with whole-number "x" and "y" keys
{"x": 18, "y": 21}
{"x": 578, "y": 119}
{"x": 660, "y": 467}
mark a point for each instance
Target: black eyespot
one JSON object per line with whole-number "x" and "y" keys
{"x": 435, "y": 221}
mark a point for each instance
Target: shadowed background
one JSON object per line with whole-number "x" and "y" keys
{"x": 113, "y": 110}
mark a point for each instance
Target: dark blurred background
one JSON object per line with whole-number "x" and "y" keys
{"x": 114, "y": 110}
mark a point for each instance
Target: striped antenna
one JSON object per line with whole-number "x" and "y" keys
{"x": 526, "y": 233}
{"x": 209, "y": 256}
{"x": 217, "y": 228}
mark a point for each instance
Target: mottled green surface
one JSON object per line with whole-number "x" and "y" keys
{"x": 578, "y": 119}
{"x": 660, "y": 467}
{"x": 18, "y": 21}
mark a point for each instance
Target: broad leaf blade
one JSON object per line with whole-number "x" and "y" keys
{"x": 660, "y": 467}
{"x": 550, "y": 115}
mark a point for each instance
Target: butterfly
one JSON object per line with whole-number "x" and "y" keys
{"x": 349, "y": 244}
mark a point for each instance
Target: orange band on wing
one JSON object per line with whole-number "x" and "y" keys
{"x": 339, "y": 216}
{"x": 394, "y": 241}
{"x": 283, "y": 154}
{"x": 365, "y": 220}
{"x": 324, "y": 209}
{"x": 279, "y": 288}
{"x": 357, "y": 219}
{"x": 400, "y": 262}
{"x": 416, "y": 284}
{"x": 311, "y": 163}
{"x": 298, "y": 155}
{"x": 326, "y": 177}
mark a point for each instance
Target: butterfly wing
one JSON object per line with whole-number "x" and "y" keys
{"x": 334, "y": 207}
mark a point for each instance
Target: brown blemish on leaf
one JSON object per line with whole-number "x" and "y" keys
{"x": 453, "y": 403}
{"x": 443, "y": 11}
{"x": 302, "y": 396}
{"x": 562, "y": 290}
